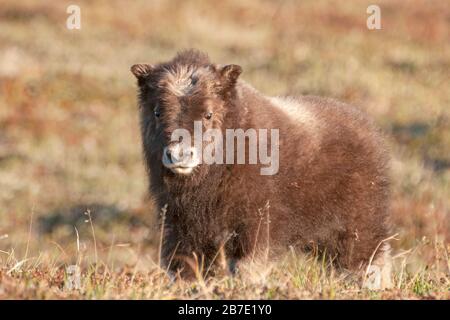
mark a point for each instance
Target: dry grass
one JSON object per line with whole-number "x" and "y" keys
{"x": 69, "y": 138}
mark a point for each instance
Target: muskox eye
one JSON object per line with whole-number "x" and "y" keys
{"x": 208, "y": 115}
{"x": 156, "y": 113}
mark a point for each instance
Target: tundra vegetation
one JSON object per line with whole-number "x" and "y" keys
{"x": 72, "y": 180}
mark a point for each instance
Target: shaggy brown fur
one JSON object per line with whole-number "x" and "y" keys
{"x": 331, "y": 191}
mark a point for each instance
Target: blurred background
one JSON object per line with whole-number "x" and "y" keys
{"x": 69, "y": 138}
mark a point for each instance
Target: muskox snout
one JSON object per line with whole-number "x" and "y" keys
{"x": 180, "y": 158}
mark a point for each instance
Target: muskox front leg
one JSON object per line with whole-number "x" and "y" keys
{"x": 235, "y": 248}
{"x": 174, "y": 254}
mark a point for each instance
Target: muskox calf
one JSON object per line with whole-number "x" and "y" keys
{"x": 329, "y": 190}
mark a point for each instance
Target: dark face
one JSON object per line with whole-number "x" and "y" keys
{"x": 177, "y": 102}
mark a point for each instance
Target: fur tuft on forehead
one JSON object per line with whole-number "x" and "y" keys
{"x": 181, "y": 74}
{"x": 180, "y": 80}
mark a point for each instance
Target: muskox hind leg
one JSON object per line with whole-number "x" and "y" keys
{"x": 362, "y": 262}
{"x": 377, "y": 275}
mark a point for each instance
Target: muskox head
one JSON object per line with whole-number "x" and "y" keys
{"x": 175, "y": 98}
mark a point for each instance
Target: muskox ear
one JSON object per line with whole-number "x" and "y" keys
{"x": 229, "y": 75}
{"x": 141, "y": 71}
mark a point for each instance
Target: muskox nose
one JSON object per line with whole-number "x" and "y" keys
{"x": 178, "y": 155}
{"x": 174, "y": 154}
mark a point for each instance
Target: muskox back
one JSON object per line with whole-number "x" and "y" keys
{"x": 330, "y": 191}
{"x": 332, "y": 188}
